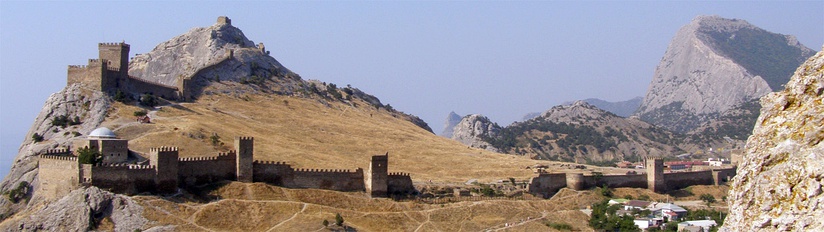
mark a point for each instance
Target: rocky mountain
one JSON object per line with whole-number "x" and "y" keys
{"x": 778, "y": 186}
{"x": 713, "y": 64}
{"x": 584, "y": 133}
{"x": 451, "y": 120}
{"x": 472, "y": 129}
{"x": 620, "y": 108}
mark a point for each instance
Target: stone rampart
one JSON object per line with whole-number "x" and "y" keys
{"x": 338, "y": 180}
{"x": 188, "y": 86}
{"x": 140, "y": 178}
{"x": 276, "y": 173}
{"x": 547, "y": 184}
{"x": 203, "y": 170}
{"x": 721, "y": 176}
{"x": 399, "y": 184}
{"x": 58, "y": 175}
{"x": 145, "y": 86}
{"x": 57, "y": 152}
{"x": 679, "y": 180}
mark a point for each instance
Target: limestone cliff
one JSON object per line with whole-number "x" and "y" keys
{"x": 199, "y": 48}
{"x": 89, "y": 108}
{"x": 472, "y": 129}
{"x": 82, "y": 209}
{"x": 778, "y": 186}
{"x": 451, "y": 121}
{"x": 713, "y": 64}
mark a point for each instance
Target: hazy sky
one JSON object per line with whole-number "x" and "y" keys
{"x": 500, "y": 59}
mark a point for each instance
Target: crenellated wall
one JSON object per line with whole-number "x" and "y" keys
{"x": 276, "y": 173}
{"x": 399, "y": 184}
{"x": 203, "y": 170}
{"x": 339, "y": 180}
{"x": 547, "y": 184}
{"x": 61, "y": 172}
{"x": 140, "y": 178}
{"x": 58, "y": 175}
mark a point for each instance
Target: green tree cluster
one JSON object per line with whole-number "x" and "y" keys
{"x": 86, "y": 155}
{"x": 604, "y": 217}
{"x": 63, "y": 121}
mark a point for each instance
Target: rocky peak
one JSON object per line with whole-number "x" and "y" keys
{"x": 199, "y": 48}
{"x": 572, "y": 112}
{"x": 779, "y": 182}
{"x": 451, "y": 120}
{"x": 713, "y": 64}
{"x": 472, "y": 129}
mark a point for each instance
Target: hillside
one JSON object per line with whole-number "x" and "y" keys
{"x": 580, "y": 132}
{"x": 308, "y": 124}
{"x": 714, "y": 64}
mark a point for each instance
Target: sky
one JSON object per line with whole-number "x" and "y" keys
{"x": 427, "y": 58}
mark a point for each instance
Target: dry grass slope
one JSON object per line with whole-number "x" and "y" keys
{"x": 312, "y": 133}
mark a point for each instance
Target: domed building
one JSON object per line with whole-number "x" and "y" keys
{"x": 105, "y": 141}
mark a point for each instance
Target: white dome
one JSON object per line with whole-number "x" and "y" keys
{"x": 103, "y": 132}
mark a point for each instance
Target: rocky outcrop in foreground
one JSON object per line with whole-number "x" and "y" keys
{"x": 779, "y": 183}
{"x": 81, "y": 210}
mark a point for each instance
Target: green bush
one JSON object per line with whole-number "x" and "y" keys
{"x": 37, "y": 137}
{"x": 559, "y": 226}
{"x": 19, "y": 193}
{"x": 140, "y": 113}
{"x": 149, "y": 100}
{"x": 86, "y": 155}
{"x": 338, "y": 219}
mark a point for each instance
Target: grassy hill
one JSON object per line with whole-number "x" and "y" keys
{"x": 312, "y": 133}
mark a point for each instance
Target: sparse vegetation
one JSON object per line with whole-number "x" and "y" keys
{"x": 148, "y": 100}
{"x": 559, "y": 226}
{"x": 87, "y": 155}
{"x": 37, "y": 137}
{"x": 119, "y": 96}
{"x": 19, "y": 193}
{"x": 140, "y": 113}
{"x": 63, "y": 121}
{"x": 338, "y": 219}
{"x": 215, "y": 139}
{"x": 707, "y": 198}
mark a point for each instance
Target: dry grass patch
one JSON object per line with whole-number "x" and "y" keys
{"x": 239, "y": 215}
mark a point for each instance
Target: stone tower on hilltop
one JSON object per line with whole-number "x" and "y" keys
{"x": 655, "y": 174}
{"x": 377, "y": 176}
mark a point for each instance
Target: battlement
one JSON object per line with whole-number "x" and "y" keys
{"x": 242, "y": 138}
{"x": 398, "y": 174}
{"x": 224, "y": 20}
{"x": 113, "y": 69}
{"x": 270, "y": 162}
{"x": 58, "y": 151}
{"x": 121, "y": 44}
{"x": 77, "y": 67}
{"x": 325, "y": 170}
{"x": 55, "y": 157}
{"x": 163, "y": 149}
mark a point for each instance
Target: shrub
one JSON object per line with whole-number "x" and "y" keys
{"x": 120, "y": 96}
{"x": 325, "y": 223}
{"x": 18, "y": 193}
{"x": 37, "y": 137}
{"x": 605, "y": 191}
{"x": 215, "y": 139}
{"x": 338, "y": 219}
{"x": 148, "y": 99}
{"x": 140, "y": 113}
{"x": 707, "y": 198}
{"x": 559, "y": 226}
{"x": 87, "y": 155}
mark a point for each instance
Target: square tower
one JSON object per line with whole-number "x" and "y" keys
{"x": 116, "y": 53}
{"x": 245, "y": 158}
{"x": 164, "y": 159}
{"x": 655, "y": 175}
{"x": 377, "y": 176}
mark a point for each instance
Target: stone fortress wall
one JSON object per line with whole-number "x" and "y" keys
{"x": 110, "y": 72}
{"x": 547, "y": 184}
{"x": 60, "y": 172}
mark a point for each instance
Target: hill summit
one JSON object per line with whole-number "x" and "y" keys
{"x": 714, "y": 64}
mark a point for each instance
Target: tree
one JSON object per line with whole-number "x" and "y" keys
{"x": 707, "y": 198}
{"x": 120, "y": 96}
{"x": 338, "y": 219}
{"x": 37, "y": 137}
{"x": 215, "y": 139}
{"x": 86, "y": 155}
{"x": 148, "y": 99}
{"x": 140, "y": 113}
{"x": 325, "y": 223}
{"x": 605, "y": 191}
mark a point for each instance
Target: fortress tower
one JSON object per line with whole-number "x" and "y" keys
{"x": 245, "y": 159}
{"x": 377, "y": 176}
{"x": 655, "y": 174}
{"x": 165, "y": 161}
